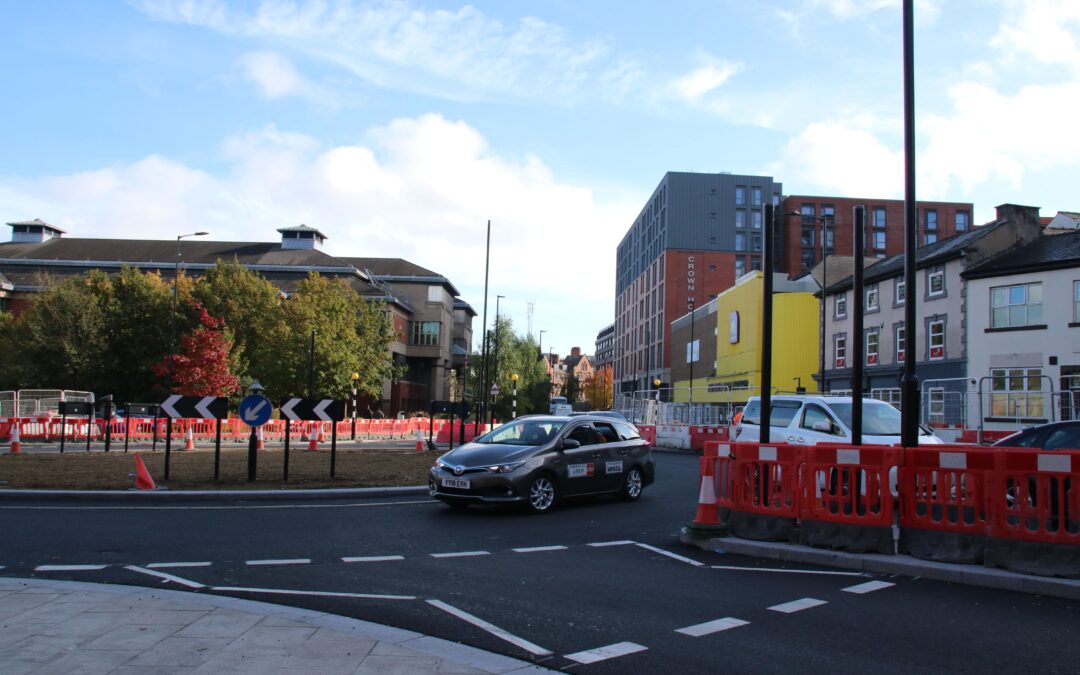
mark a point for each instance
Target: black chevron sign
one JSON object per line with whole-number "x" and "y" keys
{"x": 313, "y": 410}
{"x": 206, "y": 407}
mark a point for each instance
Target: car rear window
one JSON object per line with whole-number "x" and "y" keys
{"x": 627, "y": 432}
{"x": 782, "y": 413}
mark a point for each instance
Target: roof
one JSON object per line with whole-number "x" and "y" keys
{"x": 925, "y": 256}
{"x": 398, "y": 270}
{"x": 302, "y": 228}
{"x": 1060, "y": 251}
{"x": 38, "y": 222}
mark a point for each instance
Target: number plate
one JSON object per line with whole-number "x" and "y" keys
{"x": 455, "y": 483}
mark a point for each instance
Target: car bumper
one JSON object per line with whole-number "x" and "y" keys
{"x": 487, "y": 488}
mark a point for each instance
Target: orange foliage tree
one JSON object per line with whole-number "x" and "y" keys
{"x": 599, "y": 389}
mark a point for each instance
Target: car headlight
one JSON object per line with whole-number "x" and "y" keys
{"x": 440, "y": 464}
{"x": 504, "y": 468}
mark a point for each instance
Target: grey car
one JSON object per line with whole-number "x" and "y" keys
{"x": 537, "y": 460}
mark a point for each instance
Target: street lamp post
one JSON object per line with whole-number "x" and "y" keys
{"x": 172, "y": 335}
{"x": 540, "y": 347}
{"x": 514, "y": 379}
{"x": 495, "y": 372}
{"x": 824, "y": 220}
{"x": 354, "y": 377}
{"x": 690, "y": 410}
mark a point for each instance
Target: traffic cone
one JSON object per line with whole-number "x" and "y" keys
{"x": 706, "y": 520}
{"x": 189, "y": 444}
{"x": 419, "y": 440}
{"x": 313, "y": 443}
{"x": 143, "y": 481}
{"x": 16, "y": 446}
{"x": 259, "y": 439}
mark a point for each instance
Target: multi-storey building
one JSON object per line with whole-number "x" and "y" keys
{"x": 696, "y": 234}
{"x": 605, "y": 347}
{"x": 433, "y": 324}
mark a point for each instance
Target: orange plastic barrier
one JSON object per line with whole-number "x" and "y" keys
{"x": 648, "y": 432}
{"x": 766, "y": 495}
{"x": 700, "y": 435}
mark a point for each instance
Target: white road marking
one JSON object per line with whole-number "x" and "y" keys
{"x": 180, "y": 507}
{"x": 69, "y": 568}
{"x": 539, "y": 549}
{"x": 166, "y": 577}
{"x": 710, "y": 627}
{"x": 285, "y": 561}
{"x": 775, "y": 569}
{"x": 460, "y": 554}
{"x": 624, "y": 542}
{"x": 669, "y": 554}
{"x": 321, "y": 594}
{"x": 868, "y": 587}
{"x": 797, "y": 605}
{"x": 166, "y": 565}
{"x": 604, "y": 653}
{"x": 373, "y": 558}
{"x": 494, "y": 630}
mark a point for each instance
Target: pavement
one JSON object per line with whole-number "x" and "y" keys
{"x": 67, "y": 627}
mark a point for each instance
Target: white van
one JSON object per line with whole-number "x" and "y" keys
{"x": 809, "y": 420}
{"x": 559, "y": 406}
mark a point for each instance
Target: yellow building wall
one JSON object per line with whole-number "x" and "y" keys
{"x": 795, "y": 344}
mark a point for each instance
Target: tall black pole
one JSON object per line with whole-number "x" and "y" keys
{"x": 909, "y": 382}
{"x": 822, "y": 309}
{"x": 481, "y": 391}
{"x": 311, "y": 367}
{"x": 766, "y": 324}
{"x": 858, "y": 339}
{"x": 495, "y": 360}
{"x": 690, "y": 398}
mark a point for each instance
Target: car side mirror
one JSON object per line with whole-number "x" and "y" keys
{"x": 823, "y": 426}
{"x": 570, "y": 443}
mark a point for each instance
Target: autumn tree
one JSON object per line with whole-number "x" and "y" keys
{"x": 203, "y": 366}
{"x": 598, "y": 390}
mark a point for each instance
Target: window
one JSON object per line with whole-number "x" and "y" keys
{"x": 840, "y": 306}
{"x": 693, "y": 351}
{"x": 780, "y": 413}
{"x": 755, "y": 196}
{"x": 740, "y": 196}
{"x": 807, "y": 239}
{"x": 807, "y": 258}
{"x": 740, "y": 266}
{"x": 828, "y": 213}
{"x": 712, "y": 268}
{"x": 879, "y": 240}
{"x": 890, "y": 396}
{"x": 935, "y": 282}
{"x": 755, "y": 241}
{"x": 878, "y": 218}
{"x": 1016, "y": 392}
{"x": 930, "y": 238}
{"x": 901, "y": 344}
{"x": 808, "y": 214}
{"x": 931, "y": 220}
{"x": 755, "y": 262}
{"x": 872, "y": 299}
{"x": 935, "y": 331}
{"x": 740, "y": 220}
{"x": 1076, "y": 301}
{"x": 740, "y": 241}
{"x": 900, "y": 288}
{"x": 935, "y": 405}
{"x": 424, "y": 333}
{"x": 840, "y": 350}
{"x": 815, "y": 414}
{"x": 1019, "y": 305}
{"x": 963, "y": 221}
{"x": 755, "y": 219}
{"x": 872, "y": 348}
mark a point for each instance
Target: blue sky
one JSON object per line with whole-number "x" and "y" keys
{"x": 400, "y": 128}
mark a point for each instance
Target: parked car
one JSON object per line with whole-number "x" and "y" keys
{"x": 809, "y": 420}
{"x": 1052, "y": 436}
{"x": 614, "y": 414}
{"x": 538, "y": 460}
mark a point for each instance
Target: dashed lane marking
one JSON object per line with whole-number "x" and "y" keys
{"x": 168, "y": 565}
{"x": 319, "y": 594}
{"x": 868, "y": 587}
{"x": 605, "y": 653}
{"x": 674, "y": 556}
{"x": 166, "y": 577}
{"x": 490, "y": 628}
{"x": 710, "y": 627}
{"x": 538, "y": 549}
{"x": 624, "y": 542}
{"x": 797, "y": 605}
{"x": 284, "y": 561}
{"x": 69, "y": 568}
{"x": 459, "y": 554}
{"x": 775, "y": 569}
{"x": 373, "y": 558}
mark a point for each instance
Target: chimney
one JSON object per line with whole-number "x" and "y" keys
{"x": 1018, "y": 214}
{"x": 301, "y": 237}
{"x": 575, "y": 351}
{"x": 34, "y": 231}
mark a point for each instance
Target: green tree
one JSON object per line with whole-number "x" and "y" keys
{"x": 138, "y": 308}
{"x": 516, "y": 354}
{"x": 572, "y": 389}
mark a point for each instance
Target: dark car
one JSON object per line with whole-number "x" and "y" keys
{"x": 537, "y": 460}
{"x": 1053, "y": 436}
{"x": 614, "y": 414}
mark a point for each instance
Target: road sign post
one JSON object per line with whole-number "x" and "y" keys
{"x": 313, "y": 410}
{"x": 71, "y": 408}
{"x": 254, "y": 411}
{"x": 199, "y": 407}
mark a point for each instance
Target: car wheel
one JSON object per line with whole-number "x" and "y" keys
{"x": 632, "y": 485}
{"x": 542, "y": 494}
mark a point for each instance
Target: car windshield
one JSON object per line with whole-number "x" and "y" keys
{"x": 879, "y": 418}
{"x": 522, "y": 432}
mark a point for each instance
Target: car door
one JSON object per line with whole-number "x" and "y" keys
{"x": 616, "y": 456}
{"x": 805, "y": 433}
{"x": 581, "y": 466}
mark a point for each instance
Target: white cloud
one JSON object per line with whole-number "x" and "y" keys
{"x": 421, "y": 189}
{"x": 1043, "y": 30}
{"x": 841, "y": 157}
{"x": 274, "y": 75}
{"x": 705, "y": 79}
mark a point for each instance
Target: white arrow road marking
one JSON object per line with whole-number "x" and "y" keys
{"x": 320, "y": 594}
{"x": 372, "y": 558}
{"x": 166, "y": 577}
{"x": 164, "y": 565}
{"x": 797, "y": 605}
{"x": 538, "y": 549}
{"x": 669, "y": 554}
{"x": 252, "y": 414}
{"x": 460, "y": 554}
{"x": 285, "y": 561}
{"x": 287, "y": 409}
{"x": 624, "y": 542}
{"x": 604, "y": 653}
{"x": 201, "y": 406}
{"x": 868, "y": 587}
{"x": 167, "y": 406}
{"x": 320, "y": 410}
{"x": 69, "y": 568}
{"x": 710, "y": 627}
{"x": 494, "y": 630}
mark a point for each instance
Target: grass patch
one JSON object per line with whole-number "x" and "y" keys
{"x": 194, "y": 469}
